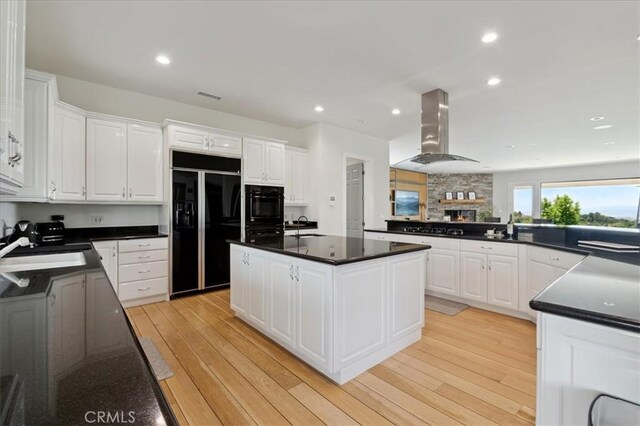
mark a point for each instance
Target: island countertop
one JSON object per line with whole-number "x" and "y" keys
{"x": 331, "y": 249}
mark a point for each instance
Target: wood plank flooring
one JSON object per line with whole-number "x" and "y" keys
{"x": 475, "y": 368}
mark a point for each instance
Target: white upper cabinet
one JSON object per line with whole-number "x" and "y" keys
{"x": 106, "y": 160}
{"x": 124, "y": 161}
{"x": 12, "y": 48}
{"x": 203, "y": 139}
{"x": 66, "y": 156}
{"x": 264, "y": 162}
{"x": 296, "y": 171}
{"x": 144, "y": 163}
{"x": 36, "y": 133}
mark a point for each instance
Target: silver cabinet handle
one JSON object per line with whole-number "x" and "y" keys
{"x": 145, "y": 271}
{"x": 130, "y": 193}
{"x": 489, "y": 265}
{"x": 486, "y": 248}
{"x": 291, "y": 272}
{"x": 113, "y": 250}
{"x": 144, "y": 289}
{"x": 555, "y": 259}
{"x": 483, "y": 264}
{"x": 144, "y": 245}
{"x": 84, "y": 190}
{"x": 124, "y": 190}
{"x": 143, "y": 257}
{"x": 298, "y": 273}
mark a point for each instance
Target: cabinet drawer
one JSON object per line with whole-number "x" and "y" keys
{"x": 561, "y": 259}
{"x": 145, "y": 288}
{"x": 435, "y": 242}
{"x": 143, "y": 244}
{"x": 143, "y": 256}
{"x": 502, "y": 249}
{"x": 143, "y": 271}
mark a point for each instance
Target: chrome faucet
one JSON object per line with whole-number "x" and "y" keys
{"x": 22, "y": 241}
{"x": 298, "y": 225}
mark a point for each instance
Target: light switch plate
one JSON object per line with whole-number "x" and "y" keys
{"x": 97, "y": 219}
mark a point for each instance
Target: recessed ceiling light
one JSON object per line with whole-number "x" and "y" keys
{"x": 596, "y": 118}
{"x": 362, "y": 121}
{"x": 319, "y": 108}
{"x": 511, "y": 146}
{"x": 638, "y": 38}
{"x": 609, "y": 143}
{"x": 395, "y": 111}
{"x": 164, "y": 60}
{"x": 603, "y": 126}
{"x": 493, "y": 81}
{"x": 489, "y": 37}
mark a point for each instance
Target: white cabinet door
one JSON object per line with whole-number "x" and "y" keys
{"x": 502, "y": 281}
{"x": 108, "y": 251}
{"x": 473, "y": 276}
{"x": 68, "y": 310}
{"x": 288, "y": 176}
{"x": 106, "y": 328}
{"x": 313, "y": 312}
{"x": 226, "y": 145}
{"x": 144, "y": 163}
{"x": 106, "y": 160}
{"x": 274, "y": 163}
{"x": 539, "y": 277}
{"x": 257, "y": 291}
{"x": 300, "y": 177}
{"x": 282, "y": 294}
{"x": 239, "y": 280}
{"x": 184, "y": 137}
{"x": 35, "y": 141}
{"x": 443, "y": 271}
{"x": 67, "y": 156}
{"x": 254, "y": 161}
{"x": 12, "y": 49}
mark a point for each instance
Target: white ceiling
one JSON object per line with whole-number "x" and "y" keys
{"x": 560, "y": 64}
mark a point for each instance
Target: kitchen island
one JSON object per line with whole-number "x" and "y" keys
{"x": 340, "y": 304}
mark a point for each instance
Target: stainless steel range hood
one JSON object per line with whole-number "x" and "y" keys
{"x": 435, "y": 132}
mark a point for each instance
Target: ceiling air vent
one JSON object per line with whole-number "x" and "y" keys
{"x": 209, "y": 95}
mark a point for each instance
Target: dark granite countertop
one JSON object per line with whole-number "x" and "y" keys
{"x": 68, "y": 345}
{"x": 331, "y": 249}
{"x": 80, "y": 235}
{"x": 596, "y": 290}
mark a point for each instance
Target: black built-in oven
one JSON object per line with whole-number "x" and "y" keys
{"x": 264, "y": 209}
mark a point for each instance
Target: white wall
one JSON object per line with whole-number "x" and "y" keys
{"x": 330, "y": 147}
{"x": 109, "y": 100}
{"x": 503, "y": 182}
{"x": 79, "y": 215}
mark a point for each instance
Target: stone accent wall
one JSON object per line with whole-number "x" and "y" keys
{"x": 438, "y": 184}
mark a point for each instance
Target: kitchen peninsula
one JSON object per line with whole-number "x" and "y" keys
{"x": 341, "y": 304}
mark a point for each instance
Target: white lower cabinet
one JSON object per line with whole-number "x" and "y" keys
{"x": 502, "y": 281}
{"x": 339, "y": 319}
{"x": 138, "y": 269}
{"x": 473, "y": 276}
{"x": 443, "y": 271}
{"x": 577, "y": 361}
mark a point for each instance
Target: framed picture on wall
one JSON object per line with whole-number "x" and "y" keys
{"x": 472, "y": 195}
{"x": 448, "y": 195}
{"x": 460, "y": 195}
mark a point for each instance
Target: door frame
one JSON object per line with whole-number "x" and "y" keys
{"x": 368, "y": 213}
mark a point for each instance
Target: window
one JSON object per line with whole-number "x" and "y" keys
{"x": 522, "y": 204}
{"x": 613, "y": 202}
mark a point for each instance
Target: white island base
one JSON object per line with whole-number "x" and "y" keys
{"x": 339, "y": 319}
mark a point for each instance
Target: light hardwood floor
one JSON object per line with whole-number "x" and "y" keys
{"x": 475, "y": 368}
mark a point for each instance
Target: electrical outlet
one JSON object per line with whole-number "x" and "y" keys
{"x": 97, "y": 219}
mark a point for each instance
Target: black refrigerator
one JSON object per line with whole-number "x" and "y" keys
{"x": 206, "y": 211}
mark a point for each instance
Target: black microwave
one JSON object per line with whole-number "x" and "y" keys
{"x": 264, "y": 205}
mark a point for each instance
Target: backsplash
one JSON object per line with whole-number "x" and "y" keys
{"x": 440, "y": 183}
{"x": 82, "y": 215}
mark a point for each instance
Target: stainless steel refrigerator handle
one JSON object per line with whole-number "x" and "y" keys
{"x": 201, "y": 204}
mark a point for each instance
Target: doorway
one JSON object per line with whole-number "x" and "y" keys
{"x": 355, "y": 198}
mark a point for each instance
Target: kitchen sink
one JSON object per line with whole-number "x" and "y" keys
{"x": 44, "y": 261}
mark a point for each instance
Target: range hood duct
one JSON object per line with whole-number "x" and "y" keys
{"x": 434, "y": 132}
